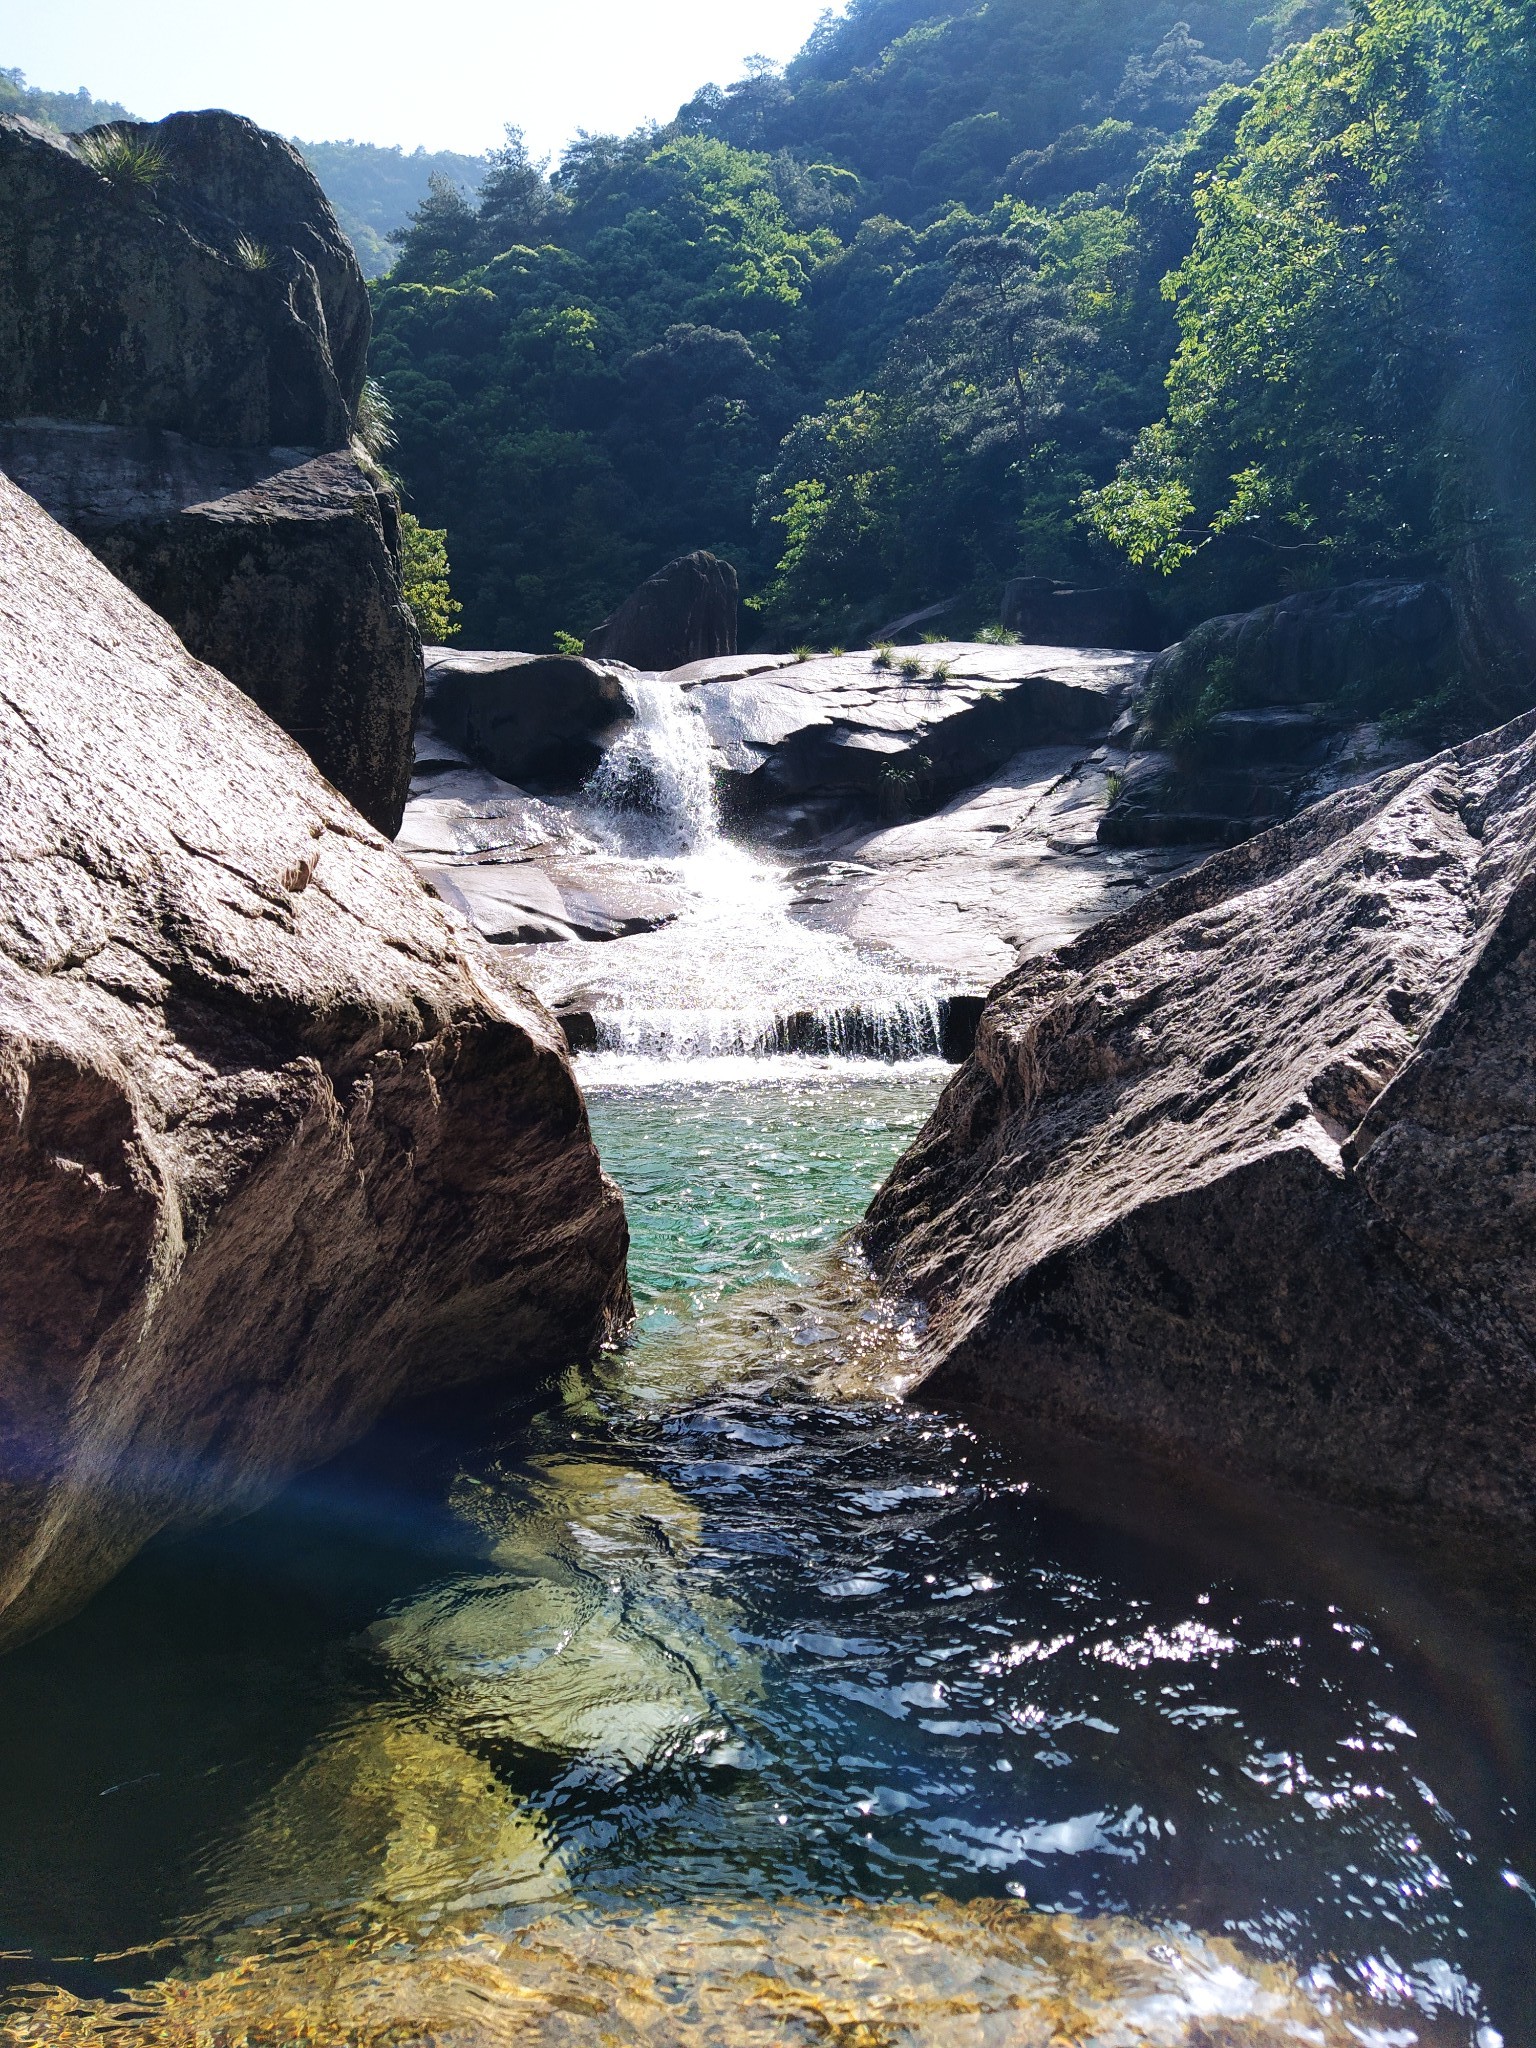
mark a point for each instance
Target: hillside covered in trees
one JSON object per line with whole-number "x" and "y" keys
{"x": 1224, "y": 298}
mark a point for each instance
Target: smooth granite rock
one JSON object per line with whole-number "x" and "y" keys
{"x": 216, "y": 297}
{"x": 896, "y": 739}
{"x": 685, "y": 612}
{"x": 1247, "y": 1174}
{"x": 279, "y": 1141}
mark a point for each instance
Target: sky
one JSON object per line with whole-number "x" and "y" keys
{"x": 444, "y": 73}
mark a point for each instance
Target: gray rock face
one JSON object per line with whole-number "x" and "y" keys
{"x": 217, "y": 296}
{"x": 685, "y": 612}
{"x": 841, "y": 732}
{"x": 279, "y": 571}
{"x": 538, "y": 720}
{"x": 279, "y": 1142}
{"x": 174, "y": 350}
{"x": 1256, "y": 714}
{"x": 1246, "y": 1173}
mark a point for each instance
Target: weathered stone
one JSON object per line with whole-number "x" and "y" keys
{"x": 844, "y": 732}
{"x": 1008, "y": 870}
{"x": 1246, "y": 1173}
{"x": 1361, "y": 649}
{"x": 1048, "y": 614}
{"x": 215, "y": 296}
{"x": 279, "y": 1143}
{"x": 538, "y": 720}
{"x": 279, "y": 571}
{"x": 685, "y": 612}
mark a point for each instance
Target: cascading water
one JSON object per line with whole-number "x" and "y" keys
{"x": 655, "y": 786}
{"x": 735, "y": 974}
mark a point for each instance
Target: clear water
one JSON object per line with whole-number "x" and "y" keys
{"x": 717, "y": 1658}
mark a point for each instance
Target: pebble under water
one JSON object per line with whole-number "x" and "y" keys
{"x": 720, "y": 1697}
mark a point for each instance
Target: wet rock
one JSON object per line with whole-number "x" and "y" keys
{"x": 279, "y": 1142}
{"x": 858, "y": 737}
{"x": 685, "y": 612}
{"x": 1245, "y": 1174}
{"x": 280, "y": 571}
{"x": 538, "y": 720}
{"x": 211, "y": 293}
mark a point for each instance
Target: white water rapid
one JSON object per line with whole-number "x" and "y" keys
{"x": 734, "y": 974}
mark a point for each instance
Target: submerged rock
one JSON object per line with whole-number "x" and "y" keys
{"x": 685, "y": 612}
{"x": 724, "y": 1974}
{"x": 1246, "y": 1173}
{"x": 278, "y": 1142}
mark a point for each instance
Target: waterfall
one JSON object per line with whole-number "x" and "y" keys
{"x": 655, "y": 786}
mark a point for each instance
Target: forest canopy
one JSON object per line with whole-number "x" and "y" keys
{"x": 1220, "y": 299}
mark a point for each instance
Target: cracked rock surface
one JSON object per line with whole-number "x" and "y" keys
{"x": 1247, "y": 1173}
{"x": 279, "y": 1141}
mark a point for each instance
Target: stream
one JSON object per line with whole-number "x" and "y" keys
{"x": 715, "y": 1649}
{"x": 714, "y": 1693}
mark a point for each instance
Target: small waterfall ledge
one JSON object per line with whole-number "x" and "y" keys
{"x": 730, "y": 973}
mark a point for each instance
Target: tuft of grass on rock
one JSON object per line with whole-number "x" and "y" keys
{"x": 251, "y": 255}
{"x": 884, "y": 654}
{"x": 802, "y": 653}
{"x": 374, "y": 423}
{"x": 998, "y": 636}
{"x": 911, "y": 668}
{"x": 123, "y": 160}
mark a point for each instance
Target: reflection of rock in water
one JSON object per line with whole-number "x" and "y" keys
{"x": 386, "y": 1814}
{"x": 983, "y": 1976}
{"x": 583, "y": 1638}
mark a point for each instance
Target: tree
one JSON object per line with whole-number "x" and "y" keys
{"x": 424, "y": 580}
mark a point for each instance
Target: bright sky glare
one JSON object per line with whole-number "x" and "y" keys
{"x": 445, "y": 73}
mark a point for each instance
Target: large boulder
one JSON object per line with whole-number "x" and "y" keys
{"x": 1247, "y": 1173}
{"x": 538, "y": 720}
{"x": 279, "y": 1144}
{"x": 185, "y": 273}
{"x": 183, "y": 331}
{"x": 894, "y": 733}
{"x": 685, "y": 612}
{"x": 279, "y": 571}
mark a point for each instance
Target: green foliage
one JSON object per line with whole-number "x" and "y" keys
{"x": 424, "y": 580}
{"x": 71, "y": 112}
{"x": 252, "y": 255}
{"x": 374, "y": 426}
{"x": 567, "y": 643}
{"x": 124, "y": 159}
{"x": 373, "y": 190}
{"x": 1353, "y": 390}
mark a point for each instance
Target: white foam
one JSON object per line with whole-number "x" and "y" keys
{"x": 603, "y": 1071}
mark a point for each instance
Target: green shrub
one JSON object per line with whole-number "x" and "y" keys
{"x": 998, "y": 636}
{"x": 424, "y": 580}
{"x": 122, "y": 159}
{"x": 568, "y": 643}
{"x": 374, "y": 423}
